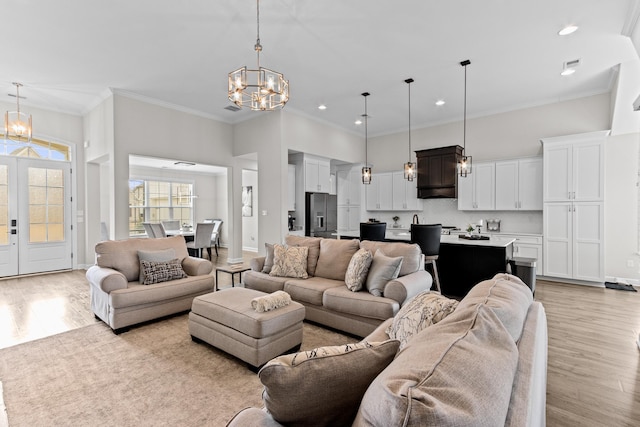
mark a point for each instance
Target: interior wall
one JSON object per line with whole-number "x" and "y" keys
{"x": 250, "y": 223}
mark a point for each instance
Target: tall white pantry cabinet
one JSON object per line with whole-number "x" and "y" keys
{"x": 573, "y": 211}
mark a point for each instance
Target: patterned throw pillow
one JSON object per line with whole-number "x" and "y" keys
{"x": 423, "y": 310}
{"x": 289, "y": 261}
{"x": 358, "y": 269}
{"x": 323, "y": 386}
{"x": 162, "y": 271}
{"x": 161, "y": 255}
{"x": 383, "y": 269}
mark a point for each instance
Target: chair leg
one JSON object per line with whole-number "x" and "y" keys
{"x": 435, "y": 275}
{"x": 209, "y": 252}
{"x": 216, "y": 248}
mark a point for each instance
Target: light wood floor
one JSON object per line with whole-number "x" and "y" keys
{"x": 594, "y": 362}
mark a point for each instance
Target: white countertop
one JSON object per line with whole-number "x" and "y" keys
{"x": 494, "y": 241}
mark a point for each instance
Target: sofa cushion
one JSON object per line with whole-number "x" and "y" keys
{"x": 362, "y": 303}
{"x": 323, "y": 386}
{"x": 334, "y": 258}
{"x": 507, "y": 296}
{"x": 458, "y": 372}
{"x": 383, "y": 269}
{"x": 313, "y": 243}
{"x": 122, "y": 255}
{"x": 289, "y": 261}
{"x": 161, "y": 271}
{"x": 425, "y": 309}
{"x": 268, "y": 259}
{"x": 310, "y": 290}
{"x": 358, "y": 269}
{"x": 262, "y": 282}
{"x": 162, "y": 255}
{"x": 410, "y": 253}
{"x": 136, "y": 294}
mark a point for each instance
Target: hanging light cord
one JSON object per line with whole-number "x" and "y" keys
{"x": 409, "y": 84}
{"x": 258, "y": 46}
{"x": 366, "y": 134}
{"x": 18, "y": 97}
{"x": 464, "y": 126}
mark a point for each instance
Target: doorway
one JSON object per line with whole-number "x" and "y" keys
{"x": 35, "y": 216}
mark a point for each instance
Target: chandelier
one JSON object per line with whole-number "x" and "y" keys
{"x": 262, "y": 89}
{"x": 464, "y": 166}
{"x": 409, "y": 167}
{"x": 17, "y": 125}
{"x": 366, "y": 169}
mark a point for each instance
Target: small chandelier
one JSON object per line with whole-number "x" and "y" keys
{"x": 409, "y": 167}
{"x": 366, "y": 169}
{"x": 464, "y": 166}
{"x": 262, "y": 89}
{"x": 17, "y": 125}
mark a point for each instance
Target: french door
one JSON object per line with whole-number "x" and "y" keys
{"x": 35, "y": 216}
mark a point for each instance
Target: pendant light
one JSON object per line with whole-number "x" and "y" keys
{"x": 409, "y": 167}
{"x": 464, "y": 166}
{"x": 262, "y": 89}
{"x": 17, "y": 125}
{"x": 366, "y": 169}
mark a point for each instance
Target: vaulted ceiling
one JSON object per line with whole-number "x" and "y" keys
{"x": 70, "y": 53}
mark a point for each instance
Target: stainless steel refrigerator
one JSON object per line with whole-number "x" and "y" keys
{"x": 321, "y": 215}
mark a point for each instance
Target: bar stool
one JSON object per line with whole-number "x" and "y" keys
{"x": 374, "y": 231}
{"x": 427, "y": 236}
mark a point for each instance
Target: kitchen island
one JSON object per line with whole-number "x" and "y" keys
{"x": 461, "y": 263}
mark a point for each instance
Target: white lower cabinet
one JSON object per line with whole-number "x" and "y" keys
{"x": 528, "y": 246}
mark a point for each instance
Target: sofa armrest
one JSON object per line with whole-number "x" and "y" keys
{"x": 379, "y": 334}
{"x": 106, "y": 279}
{"x": 406, "y": 287}
{"x": 253, "y": 417}
{"x": 196, "y": 266}
{"x": 257, "y": 264}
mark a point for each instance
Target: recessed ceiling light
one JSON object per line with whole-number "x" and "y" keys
{"x": 358, "y": 122}
{"x": 569, "y": 29}
{"x": 322, "y": 107}
{"x": 440, "y": 102}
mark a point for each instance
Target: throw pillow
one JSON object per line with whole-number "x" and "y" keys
{"x": 158, "y": 256}
{"x": 289, "y": 261}
{"x": 358, "y": 269}
{"x": 159, "y": 271}
{"x": 383, "y": 269}
{"x": 313, "y": 243}
{"x": 423, "y": 310}
{"x": 268, "y": 260}
{"x": 323, "y": 386}
{"x": 334, "y": 258}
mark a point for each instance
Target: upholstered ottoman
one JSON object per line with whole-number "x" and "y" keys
{"x": 226, "y": 320}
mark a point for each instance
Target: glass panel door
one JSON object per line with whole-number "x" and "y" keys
{"x": 8, "y": 216}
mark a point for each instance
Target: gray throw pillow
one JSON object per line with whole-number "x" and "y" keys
{"x": 268, "y": 259}
{"x": 383, "y": 269}
{"x": 155, "y": 256}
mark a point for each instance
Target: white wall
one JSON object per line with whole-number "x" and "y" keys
{"x": 250, "y": 223}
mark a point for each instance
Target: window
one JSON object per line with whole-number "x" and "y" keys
{"x": 155, "y": 201}
{"x": 37, "y": 148}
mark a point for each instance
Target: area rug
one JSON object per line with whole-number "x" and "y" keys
{"x": 620, "y": 286}
{"x": 150, "y": 376}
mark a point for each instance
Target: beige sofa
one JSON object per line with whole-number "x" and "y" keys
{"x": 324, "y": 294}
{"x": 483, "y": 365}
{"x": 120, "y": 300}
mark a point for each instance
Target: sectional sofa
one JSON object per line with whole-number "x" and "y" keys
{"x": 327, "y": 299}
{"x": 485, "y": 364}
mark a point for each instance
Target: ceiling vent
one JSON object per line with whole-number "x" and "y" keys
{"x": 184, "y": 164}
{"x": 572, "y": 64}
{"x": 233, "y": 108}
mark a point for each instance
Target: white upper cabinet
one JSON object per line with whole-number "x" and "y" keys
{"x": 317, "y": 177}
{"x": 348, "y": 187}
{"x": 405, "y": 194}
{"x": 574, "y": 170}
{"x": 519, "y": 184}
{"x": 476, "y": 191}
{"x": 379, "y": 192}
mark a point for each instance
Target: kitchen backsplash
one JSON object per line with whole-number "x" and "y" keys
{"x": 445, "y": 212}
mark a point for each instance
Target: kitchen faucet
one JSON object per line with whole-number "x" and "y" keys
{"x": 416, "y": 220}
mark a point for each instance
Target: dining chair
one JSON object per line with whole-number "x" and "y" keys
{"x": 171, "y": 224}
{"x": 158, "y": 230}
{"x": 374, "y": 231}
{"x": 149, "y": 230}
{"x": 427, "y": 236}
{"x": 202, "y": 238}
{"x": 215, "y": 235}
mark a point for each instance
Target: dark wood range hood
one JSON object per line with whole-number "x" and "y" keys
{"x": 437, "y": 172}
